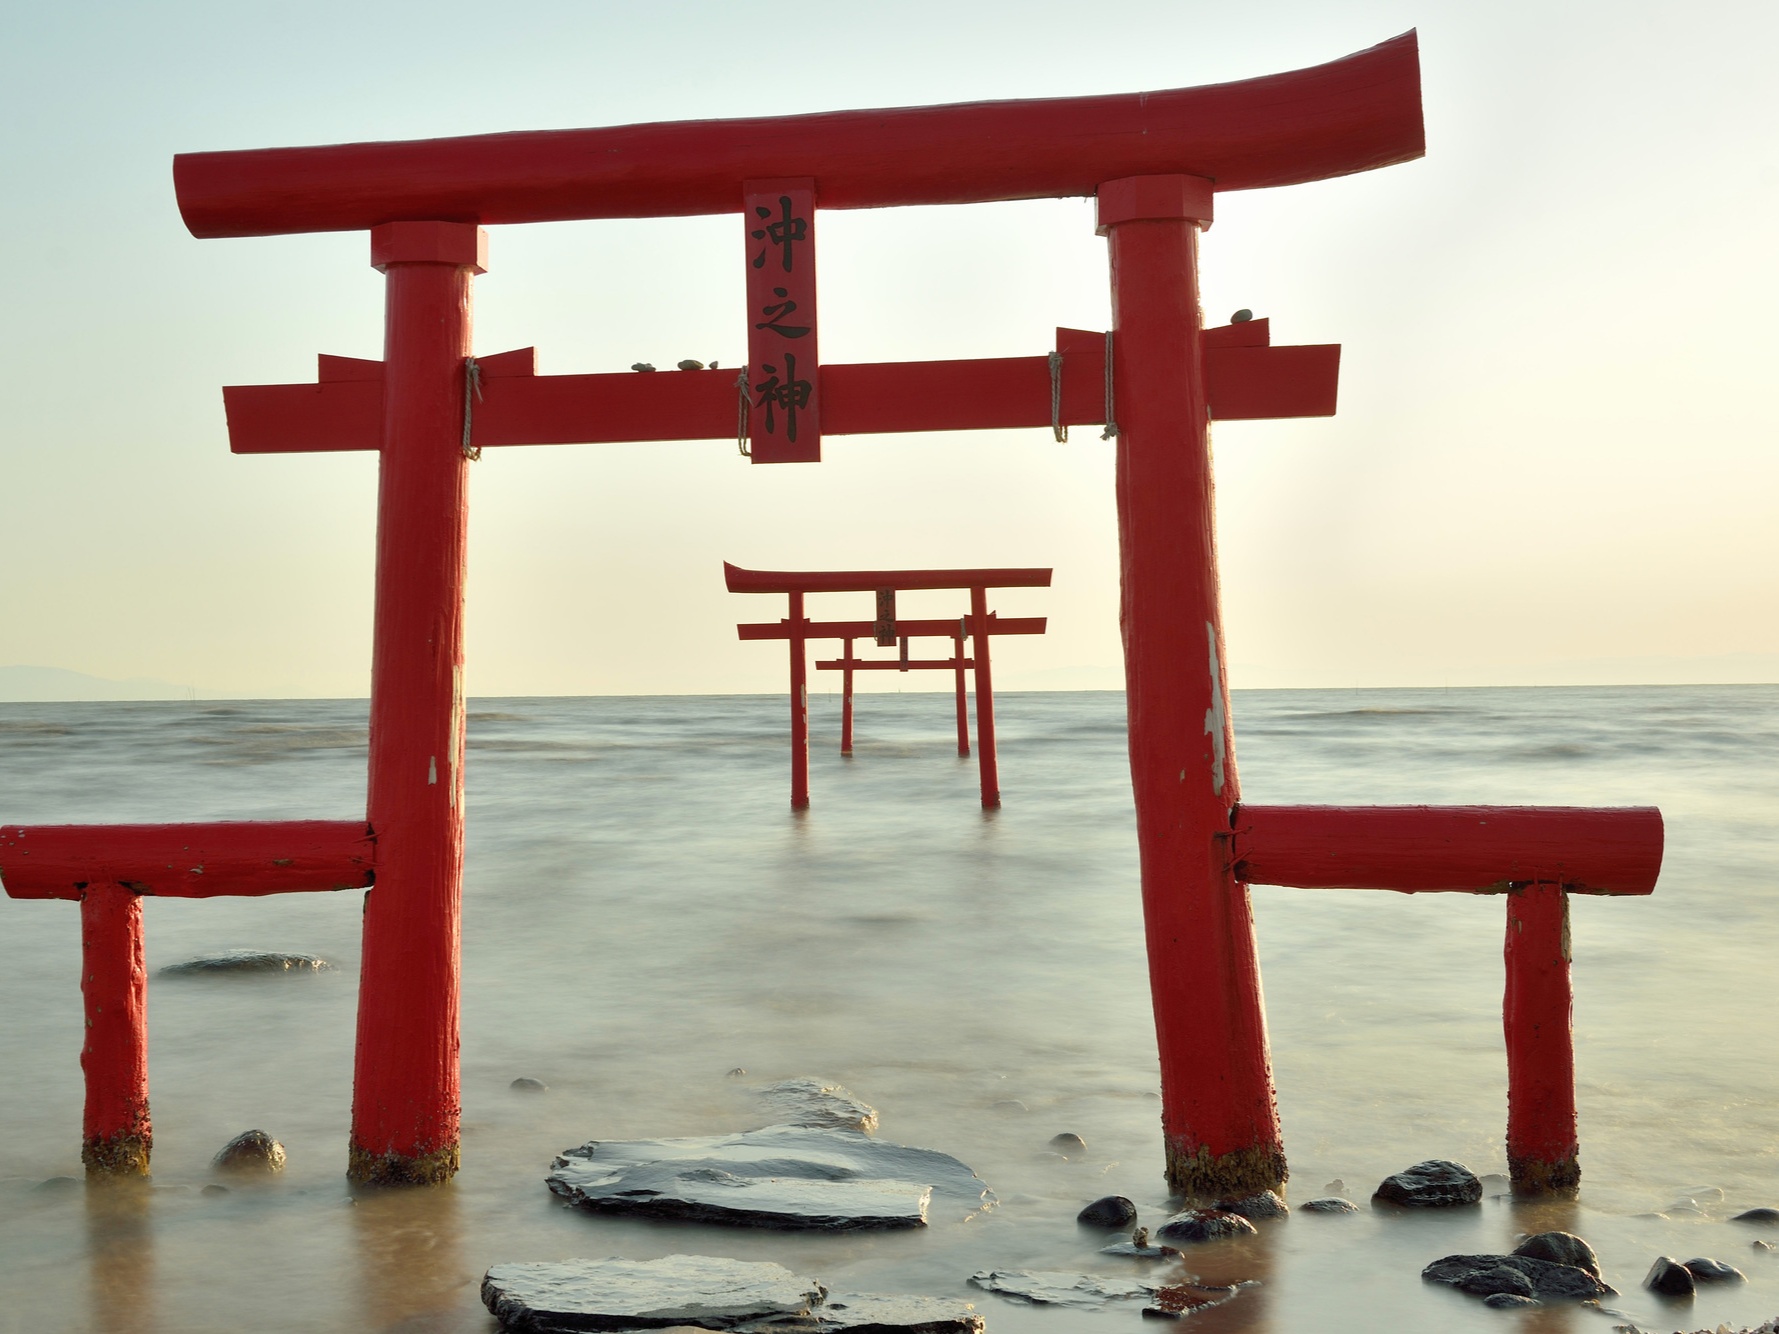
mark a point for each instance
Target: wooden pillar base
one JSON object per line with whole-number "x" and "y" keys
{"x": 121, "y": 1155}
{"x": 394, "y": 1169}
{"x": 1535, "y": 1176}
{"x": 1201, "y": 1175}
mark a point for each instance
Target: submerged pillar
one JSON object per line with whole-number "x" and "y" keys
{"x": 116, "y": 1135}
{"x": 1537, "y": 1017}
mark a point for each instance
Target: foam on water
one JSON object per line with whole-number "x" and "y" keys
{"x": 643, "y": 915}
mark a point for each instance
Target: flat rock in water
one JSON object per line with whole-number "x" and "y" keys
{"x": 870, "y": 1313}
{"x": 1328, "y": 1204}
{"x": 1521, "y": 1275}
{"x": 1204, "y": 1225}
{"x": 1507, "y": 1301}
{"x": 809, "y": 1102}
{"x": 248, "y": 962}
{"x": 1068, "y": 1142}
{"x": 1143, "y": 1251}
{"x": 1762, "y": 1215}
{"x": 1669, "y": 1277}
{"x": 1265, "y": 1204}
{"x": 618, "y": 1294}
{"x": 250, "y": 1151}
{"x": 1059, "y": 1287}
{"x": 1564, "y": 1248}
{"x": 526, "y": 1084}
{"x": 1109, "y": 1211}
{"x": 783, "y": 1176}
{"x": 1706, "y": 1270}
{"x": 1435, "y": 1184}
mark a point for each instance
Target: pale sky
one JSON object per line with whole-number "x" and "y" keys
{"x": 1556, "y": 458}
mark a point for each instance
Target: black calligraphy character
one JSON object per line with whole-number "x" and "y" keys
{"x": 783, "y": 233}
{"x": 778, "y": 312}
{"x": 788, "y": 394}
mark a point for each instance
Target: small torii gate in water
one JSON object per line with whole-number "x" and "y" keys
{"x": 979, "y": 625}
{"x": 1154, "y": 161}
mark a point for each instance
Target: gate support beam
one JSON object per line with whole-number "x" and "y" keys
{"x": 1219, "y": 1117}
{"x": 117, "y": 1136}
{"x": 1537, "y": 1018}
{"x": 405, "y": 1093}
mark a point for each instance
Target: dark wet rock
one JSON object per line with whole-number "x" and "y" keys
{"x": 1008, "y": 1105}
{"x": 1194, "y": 1225}
{"x": 1669, "y": 1277}
{"x": 214, "y": 1189}
{"x": 1563, "y": 1248}
{"x": 1543, "y": 1279}
{"x": 809, "y": 1102}
{"x": 249, "y": 1152}
{"x": 247, "y": 962}
{"x": 1068, "y": 1142}
{"x": 1055, "y": 1287}
{"x": 1435, "y": 1184}
{"x": 1176, "y": 1301}
{"x": 1507, "y": 1301}
{"x": 1706, "y": 1270}
{"x": 1762, "y": 1215}
{"x": 526, "y": 1084}
{"x": 1495, "y": 1183}
{"x": 616, "y": 1294}
{"x": 738, "y": 1073}
{"x": 1328, "y": 1204}
{"x": 783, "y": 1176}
{"x": 1265, "y": 1204}
{"x": 1109, "y": 1211}
{"x": 56, "y": 1185}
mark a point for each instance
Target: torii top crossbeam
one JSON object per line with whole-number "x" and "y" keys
{"x": 1349, "y": 115}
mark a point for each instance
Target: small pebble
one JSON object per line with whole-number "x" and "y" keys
{"x": 1328, "y": 1204}
{"x": 249, "y": 1152}
{"x": 641, "y": 366}
{"x": 1758, "y": 1245}
{"x": 1669, "y": 1277}
{"x": 1110, "y": 1211}
{"x": 214, "y": 1189}
{"x": 1007, "y": 1105}
{"x": 1503, "y": 1301}
{"x": 689, "y": 365}
{"x": 526, "y": 1084}
{"x": 1068, "y": 1143}
{"x": 1204, "y": 1225}
{"x": 738, "y": 1073}
{"x": 1335, "y": 1187}
{"x": 1757, "y": 1216}
{"x": 1706, "y": 1270}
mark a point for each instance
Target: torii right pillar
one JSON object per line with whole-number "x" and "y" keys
{"x": 1220, "y": 1119}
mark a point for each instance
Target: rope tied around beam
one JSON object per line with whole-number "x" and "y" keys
{"x": 743, "y": 404}
{"x": 1057, "y": 429}
{"x": 1111, "y": 431}
{"x": 472, "y": 394}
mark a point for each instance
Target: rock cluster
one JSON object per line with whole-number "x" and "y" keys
{"x": 1675, "y": 1278}
{"x": 1516, "y": 1276}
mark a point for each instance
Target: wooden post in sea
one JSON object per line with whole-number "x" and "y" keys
{"x": 1543, "y": 1150}
{"x": 117, "y": 1136}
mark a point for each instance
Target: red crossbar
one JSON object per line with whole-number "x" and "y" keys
{"x": 866, "y": 581}
{"x": 191, "y": 861}
{"x": 997, "y": 625}
{"x": 1352, "y": 114}
{"x": 894, "y": 664}
{"x": 1461, "y": 849}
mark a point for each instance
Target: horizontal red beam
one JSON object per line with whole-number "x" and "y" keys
{"x": 894, "y": 664}
{"x": 1352, "y": 114}
{"x": 997, "y": 625}
{"x": 996, "y": 393}
{"x": 865, "y": 581}
{"x": 190, "y": 861}
{"x": 1463, "y": 849}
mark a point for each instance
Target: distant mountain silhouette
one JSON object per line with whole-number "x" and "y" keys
{"x": 55, "y": 685}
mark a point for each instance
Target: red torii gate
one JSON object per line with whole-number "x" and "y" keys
{"x": 980, "y": 625}
{"x": 1154, "y": 162}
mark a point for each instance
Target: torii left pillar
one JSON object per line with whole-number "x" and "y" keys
{"x": 405, "y": 1094}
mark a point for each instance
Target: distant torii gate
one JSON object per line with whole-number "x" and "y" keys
{"x": 980, "y": 625}
{"x": 1154, "y": 161}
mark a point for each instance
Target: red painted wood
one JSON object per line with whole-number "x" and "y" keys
{"x": 845, "y": 704}
{"x": 1461, "y": 849}
{"x": 116, "y": 1133}
{"x": 1219, "y": 1118}
{"x": 344, "y": 412}
{"x": 894, "y": 664}
{"x": 987, "y": 765}
{"x": 799, "y": 709}
{"x": 1537, "y": 1018}
{"x": 997, "y": 625}
{"x": 1352, "y": 114}
{"x": 783, "y": 360}
{"x": 865, "y": 581}
{"x": 405, "y": 1103}
{"x": 189, "y": 861}
{"x": 963, "y": 706}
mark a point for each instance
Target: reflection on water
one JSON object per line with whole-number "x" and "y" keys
{"x": 643, "y": 915}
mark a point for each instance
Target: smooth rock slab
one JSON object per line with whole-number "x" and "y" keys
{"x": 868, "y": 1313}
{"x": 247, "y": 961}
{"x": 1521, "y": 1275}
{"x": 1437, "y": 1183}
{"x": 1328, "y": 1204}
{"x": 619, "y": 1294}
{"x": 1706, "y": 1270}
{"x": 809, "y": 1102}
{"x": 1059, "y": 1287}
{"x": 783, "y": 1176}
{"x": 1204, "y": 1225}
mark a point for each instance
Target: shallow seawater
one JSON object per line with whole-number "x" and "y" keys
{"x": 643, "y": 915}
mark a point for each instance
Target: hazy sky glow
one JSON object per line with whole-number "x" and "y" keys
{"x": 1555, "y": 460}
